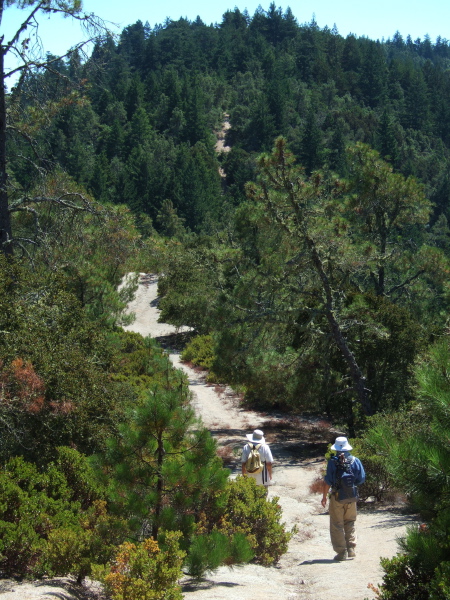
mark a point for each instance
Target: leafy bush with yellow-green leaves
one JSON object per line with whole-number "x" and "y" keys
{"x": 200, "y": 352}
{"x": 53, "y": 521}
{"x": 148, "y": 570}
{"x": 247, "y": 511}
{"x": 139, "y": 362}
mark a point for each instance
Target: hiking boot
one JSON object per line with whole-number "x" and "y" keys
{"x": 341, "y": 556}
{"x": 351, "y": 553}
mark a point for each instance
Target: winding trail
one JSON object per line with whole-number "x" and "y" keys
{"x": 307, "y": 570}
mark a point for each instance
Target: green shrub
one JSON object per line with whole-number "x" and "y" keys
{"x": 422, "y": 570}
{"x": 379, "y": 483}
{"x": 208, "y": 552}
{"x": 93, "y": 539}
{"x": 248, "y": 512}
{"x": 403, "y": 580}
{"x": 27, "y": 515}
{"x": 53, "y": 521}
{"x": 200, "y": 351}
{"x": 145, "y": 571}
{"x": 440, "y": 586}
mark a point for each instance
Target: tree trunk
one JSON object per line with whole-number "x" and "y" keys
{"x": 5, "y": 217}
{"x": 159, "y": 488}
{"x": 359, "y": 381}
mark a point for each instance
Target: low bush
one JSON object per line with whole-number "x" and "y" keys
{"x": 53, "y": 521}
{"x": 208, "y": 552}
{"x": 403, "y": 581}
{"x": 317, "y": 486}
{"x": 146, "y": 571}
{"x": 378, "y": 483}
{"x": 200, "y": 352}
{"x": 247, "y": 511}
{"x": 421, "y": 571}
{"x": 73, "y": 549}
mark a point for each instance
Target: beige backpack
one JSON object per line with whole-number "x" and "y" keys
{"x": 254, "y": 463}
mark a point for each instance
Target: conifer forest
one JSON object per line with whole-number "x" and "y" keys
{"x": 309, "y": 253}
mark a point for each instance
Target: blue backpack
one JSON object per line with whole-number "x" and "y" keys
{"x": 345, "y": 479}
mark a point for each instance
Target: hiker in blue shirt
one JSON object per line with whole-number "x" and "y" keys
{"x": 344, "y": 473}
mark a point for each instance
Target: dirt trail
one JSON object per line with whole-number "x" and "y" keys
{"x": 307, "y": 570}
{"x": 221, "y": 135}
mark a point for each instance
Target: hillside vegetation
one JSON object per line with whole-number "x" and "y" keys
{"x": 311, "y": 259}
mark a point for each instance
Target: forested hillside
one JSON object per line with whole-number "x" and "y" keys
{"x": 311, "y": 259}
{"x": 138, "y": 125}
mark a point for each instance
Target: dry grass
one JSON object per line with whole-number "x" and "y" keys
{"x": 305, "y": 534}
{"x": 309, "y": 430}
{"x": 317, "y": 486}
{"x": 226, "y": 454}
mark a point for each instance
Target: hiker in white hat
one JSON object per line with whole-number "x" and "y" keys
{"x": 257, "y": 459}
{"x": 344, "y": 473}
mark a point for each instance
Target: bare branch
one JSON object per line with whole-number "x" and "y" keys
{"x": 405, "y": 283}
{"x": 46, "y": 64}
{"x": 23, "y": 27}
{"x": 63, "y": 200}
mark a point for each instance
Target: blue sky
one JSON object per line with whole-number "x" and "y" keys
{"x": 376, "y": 20}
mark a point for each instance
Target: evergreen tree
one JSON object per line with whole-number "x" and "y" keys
{"x": 385, "y": 204}
{"x": 387, "y": 142}
{"x": 337, "y": 156}
{"x": 20, "y": 46}
{"x": 373, "y": 84}
{"x": 311, "y": 148}
{"x": 418, "y": 458}
{"x": 162, "y": 466}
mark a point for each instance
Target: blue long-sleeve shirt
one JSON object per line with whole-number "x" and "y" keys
{"x": 356, "y": 466}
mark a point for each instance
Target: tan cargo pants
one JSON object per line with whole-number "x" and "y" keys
{"x": 342, "y": 524}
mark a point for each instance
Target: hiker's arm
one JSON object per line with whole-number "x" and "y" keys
{"x": 360, "y": 475}
{"x": 326, "y": 489}
{"x": 269, "y": 469}
{"x": 327, "y": 482}
{"x": 245, "y": 453}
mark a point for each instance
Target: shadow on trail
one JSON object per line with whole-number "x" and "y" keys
{"x": 206, "y": 584}
{"x": 175, "y": 342}
{"x": 394, "y": 520}
{"x": 319, "y": 561}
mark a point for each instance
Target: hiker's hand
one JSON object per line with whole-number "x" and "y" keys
{"x": 323, "y": 502}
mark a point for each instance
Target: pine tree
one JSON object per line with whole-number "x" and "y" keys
{"x": 311, "y": 149}
{"x": 387, "y": 142}
{"x": 337, "y": 156}
{"x": 373, "y": 83}
{"x": 162, "y": 464}
{"x": 23, "y": 47}
{"x": 418, "y": 457}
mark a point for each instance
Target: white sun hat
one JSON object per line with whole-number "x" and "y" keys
{"x": 257, "y": 437}
{"x": 341, "y": 445}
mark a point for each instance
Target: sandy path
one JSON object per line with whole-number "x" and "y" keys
{"x": 307, "y": 570}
